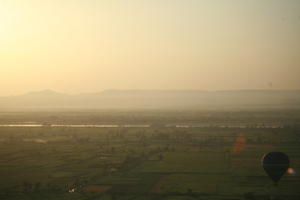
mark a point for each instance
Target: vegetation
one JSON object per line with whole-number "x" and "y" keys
{"x": 155, "y": 162}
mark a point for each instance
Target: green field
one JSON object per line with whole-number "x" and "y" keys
{"x": 144, "y": 163}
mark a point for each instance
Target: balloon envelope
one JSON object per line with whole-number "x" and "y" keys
{"x": 275, "y": 164}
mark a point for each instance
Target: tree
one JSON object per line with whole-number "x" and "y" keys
{"x": 160, "y": 157}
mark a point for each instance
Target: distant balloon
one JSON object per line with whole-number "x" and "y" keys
{"x": 275, "y": 164}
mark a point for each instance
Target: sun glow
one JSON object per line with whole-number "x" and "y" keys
{"x": 291, "y": 171}
{"x": 147, "y": 45}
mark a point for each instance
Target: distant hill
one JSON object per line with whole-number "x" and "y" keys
{"x": 154, "y": 99}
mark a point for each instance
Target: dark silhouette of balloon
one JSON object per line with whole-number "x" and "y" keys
{"x": 275, "y": 164}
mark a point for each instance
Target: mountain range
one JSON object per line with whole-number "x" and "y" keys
{"x": 154, "y": 99}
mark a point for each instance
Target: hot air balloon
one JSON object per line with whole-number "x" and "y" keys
{"x": 275, "y": 164}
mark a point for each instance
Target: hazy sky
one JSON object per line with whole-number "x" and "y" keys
{"x": 91, "y": 45}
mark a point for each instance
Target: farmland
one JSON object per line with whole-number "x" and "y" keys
{"x": 178, "y": 155}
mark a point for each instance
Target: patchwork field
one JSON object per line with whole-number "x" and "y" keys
{"x": 145, "y": 162}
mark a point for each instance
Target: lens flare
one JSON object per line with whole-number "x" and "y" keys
{"x": 240, "y": 144}
{"x": 291, "y": 171}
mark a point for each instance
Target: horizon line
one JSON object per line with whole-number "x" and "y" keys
{"x": 181, "y": 90}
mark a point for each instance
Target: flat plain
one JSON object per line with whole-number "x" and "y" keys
{"x": 147, "y": 155}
